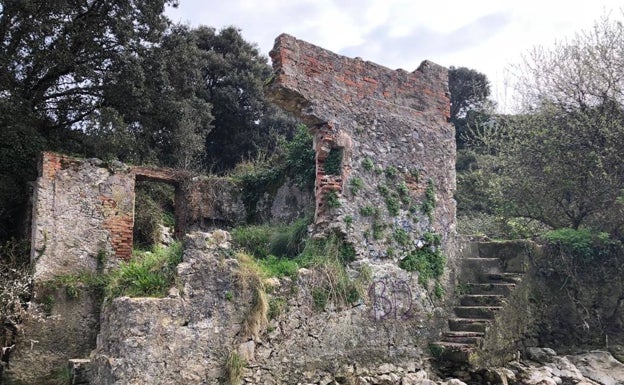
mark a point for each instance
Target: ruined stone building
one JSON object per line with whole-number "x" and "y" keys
{"x": 385, "y": 177}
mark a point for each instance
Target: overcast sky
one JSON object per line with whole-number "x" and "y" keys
{"x": 486, "y": 35}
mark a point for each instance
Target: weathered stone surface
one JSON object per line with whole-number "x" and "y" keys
{"x": 541, "y": 355}
{"x": 80, "y": 370}
{"x": 187, "y": 336}
{"x": 59, "y": 329}
{"x": 83, "y": 221}
{"x": 592, "y": 368}
{"x": 391, "y": 129}
{"x": 600, "y": 366}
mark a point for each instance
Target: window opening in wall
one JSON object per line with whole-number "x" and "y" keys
{"x": 333, "y": 162}
{"x": 154, "y": 214}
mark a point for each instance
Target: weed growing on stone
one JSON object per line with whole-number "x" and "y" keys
{"x": 415, "y": 173}
{"x": 378, "y": 230}
{"x": 333, "y": 162}
{"x": 429, "y": 262}
{"x": 147, "y": 274}
{"x": 234, "y": 366}
{"x": 383, "y": 190}
{"x": 320, "y": 297}
{"x": 402, "y": 189}
{"x": 250, "y": 279}
{"x": 428, "y": 203}
{"x": 393, "y": 205}
{"x": 332, "y": 200}
{"x": 401, "y": 236}
{"x": 438, "y": 290}
{"x": 348, "y": 220}
{"x": 391, "y": 172}
{"x": 327, "y": 258}
{"x": 356, "y": 184}
{"x": 368, "y": 164}
{"x": 367, "y": 211}
{"x": 277, "y": 306}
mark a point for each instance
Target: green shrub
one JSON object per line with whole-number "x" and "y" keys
{"x": 393, "y": 205}
{"x": 582, "y": 243}
{"x": 289, "y": 240}
{"x": 429, "y": 262}
{"x": 333, "y": 162}
{"x": 258, "y": 177}
{"x": 401, "y": 236}
{"x": 332, "y": 200}
{"x": 256, "y": 240}
{"x": 147, "y": 274}
{"x": 367, "y": 211}
{"x": 368, "y": 164}
{"x": 154, "y": 206}
{"x": 356, "y": 184}
{"x": 264, "y": 240}
{"x": 300, "y": 159}
{"x": 279, "y": 267}
{"x": 391, "y": 172}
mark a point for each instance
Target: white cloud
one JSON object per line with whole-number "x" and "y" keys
{"x": 486, "y": 35}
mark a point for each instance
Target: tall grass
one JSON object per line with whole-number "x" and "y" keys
{"x": 147, "y": 274}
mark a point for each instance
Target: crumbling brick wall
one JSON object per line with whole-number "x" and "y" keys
{"x": 84, "y": 207}
{"x": 81, "y": 209}
{"x": 392, "y": 128}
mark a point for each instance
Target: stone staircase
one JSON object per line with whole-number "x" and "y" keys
{"x": 488, "y": 273}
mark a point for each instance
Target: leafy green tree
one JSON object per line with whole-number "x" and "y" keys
{"x": 55, "y": 60}
{"x": 562, "y": 160}
{"x": 245, "y": 122}
{"x": 470, "y": 104}
{"x": 155, "y": 109}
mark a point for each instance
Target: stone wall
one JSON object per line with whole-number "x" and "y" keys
{"x": 81, "y": 208}
{"x": 390, "y": 134}
{"x": 85, "y": 208}
{"x": 187, "y": 337}
{"x": 82, "y": 223}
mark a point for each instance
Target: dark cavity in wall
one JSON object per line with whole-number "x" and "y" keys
{"x": 333, "y": 162}
{"x": 154, "y": 215}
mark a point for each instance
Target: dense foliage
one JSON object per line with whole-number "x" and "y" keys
{"x": 116, "y": 80}
{"x": 470, "y": 103}
{"x": 559, "y": 162}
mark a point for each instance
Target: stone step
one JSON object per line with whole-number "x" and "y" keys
{"x": 502, "y": 278}
{"x": 482, "y": 300}
{"x": 479, "y": 312}
{"x": 472, "y": 338}
{"x": 452, "y": 351}
{"x": 503, "y": 288}
{"x": 469, "y": 324}
{"x": 472, "y": 269}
